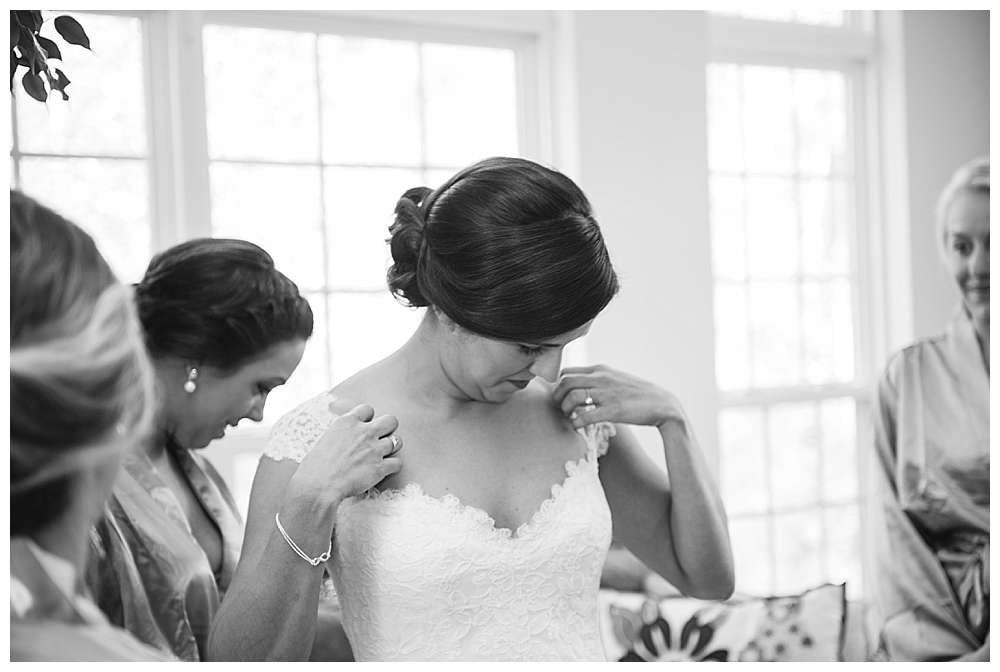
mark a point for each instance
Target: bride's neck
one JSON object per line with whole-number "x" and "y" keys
{"x": 424, "y": 374}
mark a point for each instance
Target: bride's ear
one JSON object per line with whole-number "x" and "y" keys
{"x": 448, "y": 324}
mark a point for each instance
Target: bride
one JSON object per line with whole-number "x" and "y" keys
{"x": 488, "y": 542}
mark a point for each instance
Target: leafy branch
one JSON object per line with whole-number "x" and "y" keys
{"x": 30, "y": 50}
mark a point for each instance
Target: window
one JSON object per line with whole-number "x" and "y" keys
{"x": 786, "y": 165}
{"x": 88, "y": 158}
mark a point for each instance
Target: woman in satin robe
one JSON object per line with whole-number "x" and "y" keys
{"x": 81, "y": 393}
{"x": 930, "y": 543}
{"x": 223, "y": 328}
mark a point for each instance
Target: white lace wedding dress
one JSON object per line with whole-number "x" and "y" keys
{"x": 425, "y": 579}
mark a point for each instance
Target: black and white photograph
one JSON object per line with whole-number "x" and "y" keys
{"x": 484, "y": 334}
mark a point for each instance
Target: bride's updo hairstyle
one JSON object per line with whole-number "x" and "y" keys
{"x": 506, "y": 248}
{"x": 81, "y": 384}
{"x": 219, "y": 302}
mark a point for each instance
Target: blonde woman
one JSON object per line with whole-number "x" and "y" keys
{"x": 931, "y": 520}
{"x": 81, "y": 388}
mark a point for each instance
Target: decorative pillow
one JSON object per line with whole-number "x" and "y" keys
{"x": 638, "y": 628}
{"x": 806, "y": 627}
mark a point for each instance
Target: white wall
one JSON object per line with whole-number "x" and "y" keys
{"x": 644, "y": 165}
{"x": 947, "y": 87}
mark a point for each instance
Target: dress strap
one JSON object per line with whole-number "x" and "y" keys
{"x": 597, "y": 437}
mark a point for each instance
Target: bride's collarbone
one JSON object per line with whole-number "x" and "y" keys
{"x": 505, "y": 475}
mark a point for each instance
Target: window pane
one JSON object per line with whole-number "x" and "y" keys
{"x": 798, "y": 540}
{"x": 821, "y": 115}
{"x": 732, "y": 338}
{"x": 767, "y": 119}
{"x": 106, "y": 113}
{"x": 744, "y": 477}
{"x": 434, "y": 178}
{"x": 260, "y": 94}
{"x": 819, "y": 332}
{"x": 823, "y": 208}
{"x": 794, "y": 439}
{"x": 752, "y": 555}
{"x": 108, "y": 198}
{"x": 276, "y": 207}
{"x": 772, "y": 228}
{"x": 471, "y": 99}
{"x": 843, "y": 548}
{"x": 361, "y": 203}
{"x": 729, "y": 236}
{"x": 838, "y": 424}
{"x": 371, "y": 104}
{"x": 364, "y": 328}
{"x": 774, "y": 324}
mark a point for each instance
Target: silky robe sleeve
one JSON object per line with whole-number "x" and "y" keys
{"x": 920, "y": 617}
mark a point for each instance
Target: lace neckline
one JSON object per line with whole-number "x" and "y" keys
{"x": 477, "y": 515}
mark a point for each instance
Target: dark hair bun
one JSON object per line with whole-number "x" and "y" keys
{"x": 406, "y": 243}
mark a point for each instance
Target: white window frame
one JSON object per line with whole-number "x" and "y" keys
{"x": 855, "y": 50}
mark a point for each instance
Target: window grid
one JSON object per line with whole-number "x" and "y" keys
{"x": 755, "y": 397}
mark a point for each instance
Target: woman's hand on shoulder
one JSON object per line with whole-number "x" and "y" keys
{"x": 354, "y": 454}
{"x": 591, "y": 394}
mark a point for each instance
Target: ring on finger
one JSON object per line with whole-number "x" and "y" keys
{"x": 395, "y": 443}
{"x": 589, "y": 401}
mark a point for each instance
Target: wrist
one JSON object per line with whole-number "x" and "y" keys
{"x": 306, "y": 497}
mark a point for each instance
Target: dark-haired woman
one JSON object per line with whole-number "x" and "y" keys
{"x": 488, "y": 543}
{"x": 81, "y": 393}
{"x": 223, "y": 327}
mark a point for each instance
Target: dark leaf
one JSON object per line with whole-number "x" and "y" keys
{"x": 705, "y": 634}
{"x": 15, "y": 30}
{"x": 717, "y": 656}
{"x": 34, "y": 86}
{"x": 647, "y": 635}
{"x": 55, "y": 84}
{"x": 27, "y": 18}
{"x": 13, "y": 69}
{"x": 38, "y": 61}
{"x": 61, "y": 82}
{"x": 26, "y": 41}
{"x": 72, "y": 31}
{"x": 50, "y": 47}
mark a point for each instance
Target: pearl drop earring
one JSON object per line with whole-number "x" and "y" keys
{"x": 190, "y": 385}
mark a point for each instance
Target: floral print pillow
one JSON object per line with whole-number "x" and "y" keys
{"x": 805, "y": 627}
{"x": 637, "y": 628}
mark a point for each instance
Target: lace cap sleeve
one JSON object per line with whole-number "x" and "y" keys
{"x": 597, "y": 436}
{"x": 300, "y": 429}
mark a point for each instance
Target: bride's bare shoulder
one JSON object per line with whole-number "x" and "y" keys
{"x": 364, "y": 387}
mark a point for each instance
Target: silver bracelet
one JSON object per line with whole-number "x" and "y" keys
{"x": 312, "y": 561}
